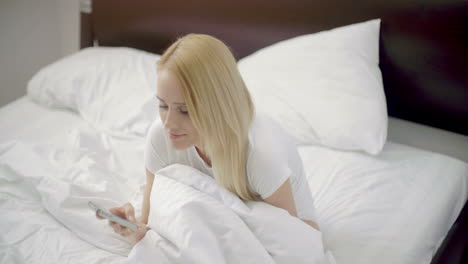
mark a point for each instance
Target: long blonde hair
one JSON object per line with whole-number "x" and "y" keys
{"x": 219, "y": 105}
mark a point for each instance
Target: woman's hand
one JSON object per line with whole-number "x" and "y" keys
{"x": 127, "y": 212}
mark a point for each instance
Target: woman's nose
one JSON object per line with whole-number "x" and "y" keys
{"x": 170, "y": 120}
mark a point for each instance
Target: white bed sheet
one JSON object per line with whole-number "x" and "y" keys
{"x": 26, "y": 120}
{"x": 28, "y": 233}
{"x": 415, "y": 194}
{"x": 396, "y": 207}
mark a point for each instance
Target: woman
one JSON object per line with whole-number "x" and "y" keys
{"x": 208, "y": 122}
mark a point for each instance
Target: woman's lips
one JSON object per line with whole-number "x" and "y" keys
{"x": 176, "y": 136}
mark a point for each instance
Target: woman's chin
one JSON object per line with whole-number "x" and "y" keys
{"x": 180, "y": 145}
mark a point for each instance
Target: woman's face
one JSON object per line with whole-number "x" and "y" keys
{"x": 173, "y": 112}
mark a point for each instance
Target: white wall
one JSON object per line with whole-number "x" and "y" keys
{"x": 33, "y": 33}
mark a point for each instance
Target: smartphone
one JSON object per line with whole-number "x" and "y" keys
{"x": 112, "y": 217}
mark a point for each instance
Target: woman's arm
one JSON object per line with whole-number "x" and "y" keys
{"x": 283, "y": 198}
{"x": 127, "y": 212}
{"x": 146, "y": 197}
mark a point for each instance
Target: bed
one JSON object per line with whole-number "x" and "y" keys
{"x": 79, "y": 133}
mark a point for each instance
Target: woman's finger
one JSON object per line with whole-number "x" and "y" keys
{"x": 121, "y": 230}
{"x": 99, "y": 217}
{"x": 125, "y": 211}
{"x": 126, "y": 232}
{"x": 129, "y": 212}
{"x": 119, "y": 211}
{"x": 117, "y": 228}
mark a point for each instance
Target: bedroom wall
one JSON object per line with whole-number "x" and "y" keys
{"x": 33, "y": 34}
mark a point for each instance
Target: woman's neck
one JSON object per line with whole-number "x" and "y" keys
{"x": 203, "y": 156}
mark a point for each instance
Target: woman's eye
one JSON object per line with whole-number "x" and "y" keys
{"x": 163, "y": 107}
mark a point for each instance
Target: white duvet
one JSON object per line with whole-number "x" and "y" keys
{"x": 192, "y": 219}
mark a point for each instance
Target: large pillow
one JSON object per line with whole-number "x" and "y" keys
{"x": 110, "y": 87}
{"x": 324, "y": 88}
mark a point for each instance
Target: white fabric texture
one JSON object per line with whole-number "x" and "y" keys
{"x": 395, "y": 207}
{"x": 28, "y": 121}
{"x": 106, "y": 86}
{"x": 44, "y": 214}
{"x": 326, "y": 88}
{"x": 205, "y": 223}
{"x": 272, "y": 159}
{"x": 364, "y": 203}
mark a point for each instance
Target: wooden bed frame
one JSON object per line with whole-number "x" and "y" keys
{"x": 423, "y": 49}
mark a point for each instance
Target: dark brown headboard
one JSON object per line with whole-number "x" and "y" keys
{"x": 423, "y": 49}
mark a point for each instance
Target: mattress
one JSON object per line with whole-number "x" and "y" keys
{"x": 395, "y": 207}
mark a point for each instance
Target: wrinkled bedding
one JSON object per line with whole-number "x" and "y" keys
{"x": 370, "y": 209}
{"x": 43, "y": 193}
{"x": 193, "y": 220}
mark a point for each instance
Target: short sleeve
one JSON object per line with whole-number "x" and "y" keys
{"x": 267, "y": 171}
{"x": 155, "y": 148}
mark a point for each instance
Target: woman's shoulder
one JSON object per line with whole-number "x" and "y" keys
{"x": 156, "y": 137}
{"x": 268, "y": 162}
{"x": 270, "y": 145}
{"x": 268, "y": 142}
{"x": 265, "y": 131}
{"x": 156, "y": 155}
{"x": 156, "y": 131}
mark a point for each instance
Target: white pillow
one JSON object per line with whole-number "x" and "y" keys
{"x": 107, "y": 86}
{"x": 324, "y": 88}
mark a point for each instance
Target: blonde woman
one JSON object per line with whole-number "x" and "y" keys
{"x": 208, "y": 122}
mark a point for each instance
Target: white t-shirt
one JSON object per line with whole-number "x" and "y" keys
{"x": 272, "y": 159}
